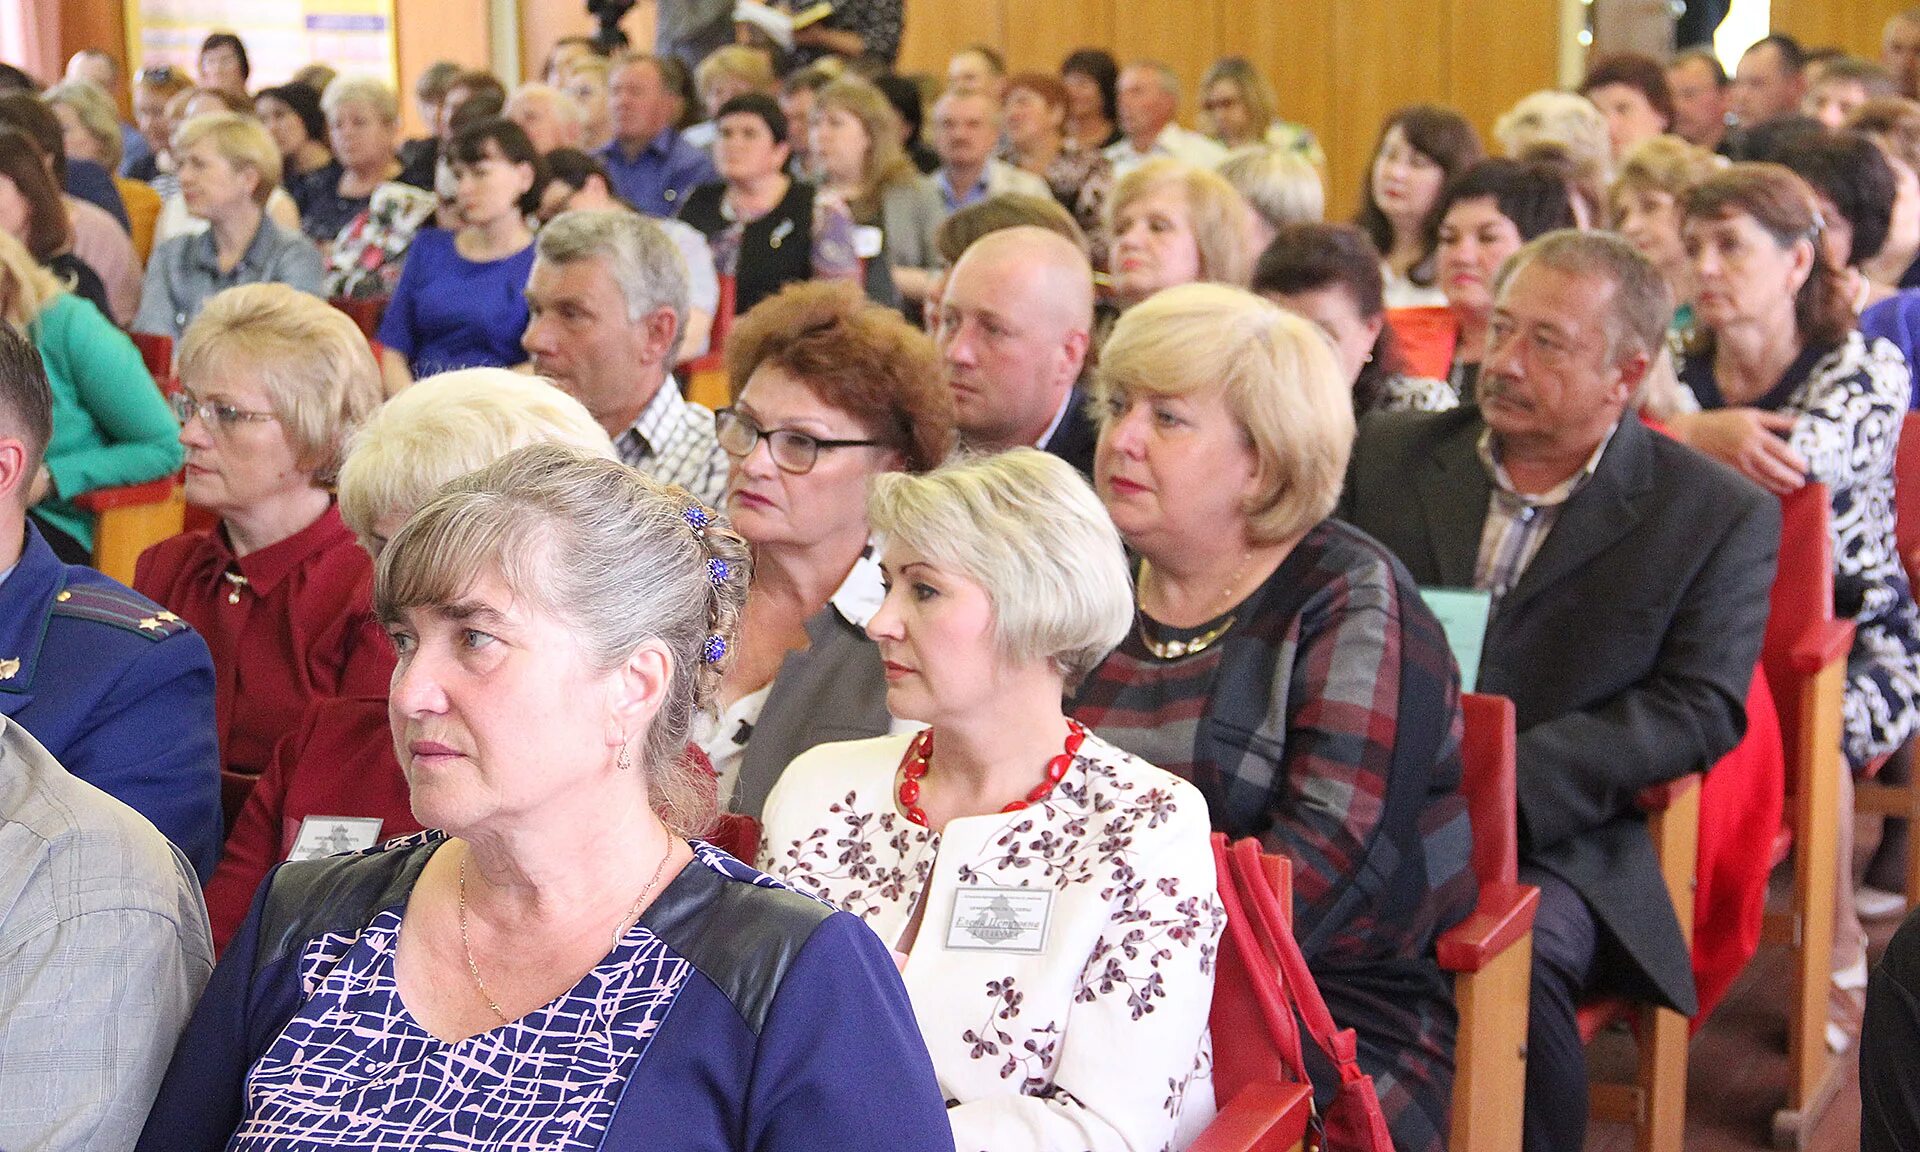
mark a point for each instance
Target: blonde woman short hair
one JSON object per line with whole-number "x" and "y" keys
{"x": 1219, "y": 214}
{"x": 447, "y": 426}
{"x": 1661, "y": 164}
{"x": 241, "y": 141}
{"x": 606, "y": 551}
{"x": 1564, "y": 118}
{"x": 364, "y": 91}
{"x": 97, "y": 115}
{"x": 1277, "y": 374}
{"x": 1029, "y": 530}
{"x": 313, "y": 362}
{"x": 26, "y": 286}
{"x": 736, "y": 62}
{"x": 1283, "y": 186}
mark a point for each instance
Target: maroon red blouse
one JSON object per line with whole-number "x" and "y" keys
{"x": 287, "y": 624}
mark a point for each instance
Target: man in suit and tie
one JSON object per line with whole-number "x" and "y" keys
{"x": 1014, "y": 324}
{"x": 1629, "y": 579}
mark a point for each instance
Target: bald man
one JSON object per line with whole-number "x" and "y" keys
{"x": 1014, "y": 328}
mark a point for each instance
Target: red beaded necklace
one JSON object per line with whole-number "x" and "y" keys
{"x": 913, "y": 766}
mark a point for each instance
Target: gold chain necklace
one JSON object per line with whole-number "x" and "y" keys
{"x": 1193, "y": 645}
{"x": 619, "y": 930}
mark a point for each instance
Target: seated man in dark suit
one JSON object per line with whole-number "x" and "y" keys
{"x": 117, "y": 689}
{"x": 1629, "y": 577}
{"x": 1014, "y": 322}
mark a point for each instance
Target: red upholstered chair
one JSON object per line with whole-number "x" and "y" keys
{"x": 1490, "y": 953}
{"x": 1805, "y": 657}
{"x": 1260, "y": 1109}
{"x": 1655, "y": 1101}
{"x": 130, "y": 519}
{"x": 707, "y": 376}
{"x": 157, "y": 352}
{"x": 1902, "y": 800}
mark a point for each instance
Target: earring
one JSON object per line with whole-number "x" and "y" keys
{"x": 625, "y": 760}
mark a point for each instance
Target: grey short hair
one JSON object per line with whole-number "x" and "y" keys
{"x": 364, "y": 91}
{"x": 96, "y": 112}
{"x": 563, "y": 105}
{"x": 1641, "y": 307}
{"x": 1169, "y": 79}
{"x": 1283, "y": 186}
{"x": 608, "y": 552}
{"x": 643, "y": 259}
{"x": 1028, "y": 528}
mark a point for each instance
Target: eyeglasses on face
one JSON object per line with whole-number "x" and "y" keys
{"x": 793, "y": 452}
{"x": 212, "y": 413}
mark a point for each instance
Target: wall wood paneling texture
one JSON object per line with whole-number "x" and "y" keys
{"x": 1340, "y": 66}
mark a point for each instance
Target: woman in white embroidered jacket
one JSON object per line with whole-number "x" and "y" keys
{"x": 1028, "y": 874}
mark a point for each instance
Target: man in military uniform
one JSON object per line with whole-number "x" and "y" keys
{"x": 118, "y": 689}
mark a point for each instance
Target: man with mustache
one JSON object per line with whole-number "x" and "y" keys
{"x": 1628, "y": 579}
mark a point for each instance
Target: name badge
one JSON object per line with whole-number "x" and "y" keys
{"x": 1000, "y": 919}
{"x": 866, "y": 241}
{"x": 332, "y": 835}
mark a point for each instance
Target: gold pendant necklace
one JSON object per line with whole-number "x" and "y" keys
{"x": 235, "y": 582}
{"x": 1175, "y": 649}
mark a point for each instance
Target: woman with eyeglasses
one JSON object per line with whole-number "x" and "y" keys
{"x": 110, "y": 424}
{"x": 272, "y": 382}
{"x": 830, "y": 391}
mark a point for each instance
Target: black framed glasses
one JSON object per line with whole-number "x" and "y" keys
{"x": 156, "y": 74}
{"x": 212, "y": 413}
{"x": 792, "y": 451}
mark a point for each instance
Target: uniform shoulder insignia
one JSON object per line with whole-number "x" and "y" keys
{"x": 119, "y": 607}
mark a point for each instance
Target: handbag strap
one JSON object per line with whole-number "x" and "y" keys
{"x": 1276, "y": 937}
{"x": 1268, "y": 988}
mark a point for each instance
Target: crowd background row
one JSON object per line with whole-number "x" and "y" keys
{"x": 1064, "y": 240}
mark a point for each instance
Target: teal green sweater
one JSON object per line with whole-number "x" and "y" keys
{"x": 111, "y": 426}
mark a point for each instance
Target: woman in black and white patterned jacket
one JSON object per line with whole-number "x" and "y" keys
{"x": 1792, "y": 394}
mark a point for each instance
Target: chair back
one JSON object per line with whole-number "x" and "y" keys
{"x": 1249, "y": 1015}
{"x": 364, "y": 311}
{"x": 1801, "y": 600}
{"x": 157, "y": 353}
{"x": 1489, "y": 781}
{"x": 1906, "y": 496}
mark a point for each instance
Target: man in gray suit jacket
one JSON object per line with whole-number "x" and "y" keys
{"x": 1629, "y": 578}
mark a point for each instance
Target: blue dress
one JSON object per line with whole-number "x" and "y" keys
{"x": 450, "y": 312}
{"x": 735, "y": 1015}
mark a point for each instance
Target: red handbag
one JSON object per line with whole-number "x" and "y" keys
{"x": 1288, "y": 996}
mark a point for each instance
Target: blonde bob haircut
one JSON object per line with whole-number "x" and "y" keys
{"x": 447, "y": 426}
{"x": 1219, "y": 214}
{"x": 241, "y": 141}
{"x": 311, "y": 359}
{"x": 1661, "y": 164}
{"x": 608, "y": 552}
{"x": 1277, "y": 375}
{"x": 363, "y": 92}
{"x": 1029, "y": 530}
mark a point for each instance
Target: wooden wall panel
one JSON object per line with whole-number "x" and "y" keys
{"x": 1496, "y": 56}
{"x": 430, "y": 30}
{"x": 1388, "y": 55}
{"x": 1183, "y": 35}
{"x": 935, "y": 28}
{"x": 1851, "y": 24}
{"x": 1040, "y": 33}
{"x": 544, "y": 22}
{"x": 1292, "y": 43}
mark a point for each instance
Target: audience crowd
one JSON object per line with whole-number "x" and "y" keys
{"x": 718, "y": 570}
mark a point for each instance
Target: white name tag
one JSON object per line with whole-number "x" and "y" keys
{"x": 331, "y": 835}
{"x": 866, "y": 241}
{"x": 1000, "y": 919}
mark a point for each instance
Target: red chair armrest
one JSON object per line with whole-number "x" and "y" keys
{"x": 1661, "y": 797}
{"x": 1503, "y": 915}
{"x": 1266, "y": 1116}
{"x": 101, "y": 499}
{"x": 1826, "y": 642}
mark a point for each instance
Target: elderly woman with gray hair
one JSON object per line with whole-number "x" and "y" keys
{"x": 555, "y": 964}
{"x": 1285, "y": 663}
{"x": 333, "y": 784}
{"x": 1006, "y": 584}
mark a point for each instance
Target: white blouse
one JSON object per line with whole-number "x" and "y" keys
{"x": 1097, "y": 908}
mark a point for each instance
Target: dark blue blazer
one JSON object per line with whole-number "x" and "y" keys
{"x": 118, "y": 689}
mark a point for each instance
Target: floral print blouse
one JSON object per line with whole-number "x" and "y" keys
{"x": 1063, "y": 970}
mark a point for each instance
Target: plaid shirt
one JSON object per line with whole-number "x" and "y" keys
{"x": 1517, "y": 524}
{"x": 1305, "y": 728}
{"x": 674, "y": 442}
